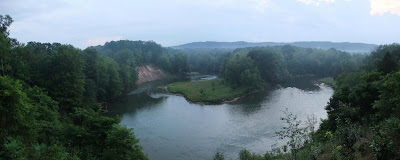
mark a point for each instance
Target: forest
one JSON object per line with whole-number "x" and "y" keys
{"x": 210, "y": 46}
{"x": 259, "y": 67}
{"x": 52, "y": 96}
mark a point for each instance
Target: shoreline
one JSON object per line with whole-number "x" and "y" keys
{"x": 224, "y": 101}
{"x": 329, "y": 81}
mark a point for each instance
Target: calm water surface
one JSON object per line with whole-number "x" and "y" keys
{"x": 171, "y": 128}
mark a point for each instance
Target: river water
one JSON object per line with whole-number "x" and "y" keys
{"x": 171, "y": 128}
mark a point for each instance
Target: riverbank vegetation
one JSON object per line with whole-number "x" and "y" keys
{"x": 328, "y": 81}
{"x": 256, "y": 68}
{"x": 209, "y": 91}
{"x": 276, "y": 65}
{"x": 363, "y": 116}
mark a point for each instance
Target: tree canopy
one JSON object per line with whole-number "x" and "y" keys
{"x": 50, "y": 96}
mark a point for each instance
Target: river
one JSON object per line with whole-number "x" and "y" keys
{"x": 171, "y": 128}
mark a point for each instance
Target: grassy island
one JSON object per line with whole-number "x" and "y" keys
{"x": 211, "y": 91}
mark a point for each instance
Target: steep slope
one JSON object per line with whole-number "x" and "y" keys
{"x": 147, "y": 73}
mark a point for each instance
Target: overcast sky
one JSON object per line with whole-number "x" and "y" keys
{"x": 85, "y": 23}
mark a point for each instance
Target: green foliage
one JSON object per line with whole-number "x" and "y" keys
{"x": 207, "y": 63}
{"x": 354, "y": 104}
{"x": 246, "y": 155}
{"x": 211, "y": 91}
{"x": 12, "y": 149}
{"x": 392, "y": 53}
{"x": 15, "y": 110}
{"x": 270, "y": 64}
{"x": 43, "y": 92}
{"x": 87, "y": 132}
{"x": 98, "y": 137}
{"x": 67, "y": 82}
{"x": 219, "y": 156}
{"x": 348, "y": 79}
{"x": 240, "y": 70}
{"x": 386, "y": 141}
{"x": 295, "y": 132}
{"x": 125, "y": 60}
{"x": 6, "y": 43}
{"x": 389, "y": 98}
{"x": 122, "y": 144}
{"x": 329, "y": 81}
{"x": 90, "y": 57}
{"x": 276, "y": 65}
{"x": 46, "y": 115}
{"x": 363, "y": 100}
{"x": 303, "y": 61}
{"x": 53, "y": 152}
{"x": 128, "y": 54}
{"x": 179, "y": 63}
{"x": 33, "y": 116}
{"x": 252, "y": 79}
{"x": 109, "y": 84}
{"x": 387, "y": 64}
{"x": 56, "y": 68}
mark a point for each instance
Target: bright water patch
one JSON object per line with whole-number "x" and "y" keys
{"x": 169, "y": 127}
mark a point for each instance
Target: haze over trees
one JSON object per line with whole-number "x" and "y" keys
{"x": 276, "y": 65}
{"x": 144, "y": 52}
{"x": 211, "y": 46}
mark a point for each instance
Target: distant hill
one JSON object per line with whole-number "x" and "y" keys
{"x": 230, "y": 46}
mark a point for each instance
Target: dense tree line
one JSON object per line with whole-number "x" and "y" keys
{"x": 240, "y": 70}
{"x": 262, "y": 66}
{"x": 365, "y": 107}
{"x": 50, "y": 97}
{"x": 276, "y": 65}
{"x": 134, "y": 53}
{"x": 207, "y": 63}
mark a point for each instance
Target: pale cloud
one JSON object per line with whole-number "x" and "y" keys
{"x": 385, "y": 6}
{"x": 101, "y": 40}
{"x": 315, "y": 2}
{"x": 173, "y": 22}
{"x": 258, "y": 5}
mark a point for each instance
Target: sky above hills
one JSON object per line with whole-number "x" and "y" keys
{"x": 85, "y": 23}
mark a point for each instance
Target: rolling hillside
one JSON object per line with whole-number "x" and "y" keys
{"x": 230, "y": 46}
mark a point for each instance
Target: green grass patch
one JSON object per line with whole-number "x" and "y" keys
{"x": 211, "y": 91}
{"x": 329, "y": 81}
{"x": 193, "y": 73}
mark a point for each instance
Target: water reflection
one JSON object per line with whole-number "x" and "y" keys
{"x": 133, "y": 102}
{"x": 251, "y": 103}
{"x": 307, "y": 83}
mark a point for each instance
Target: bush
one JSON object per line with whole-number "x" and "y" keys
{"x": 246, "y": 155}
{"x": 218, "y": 156}
{"x": 386, "y": 142}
